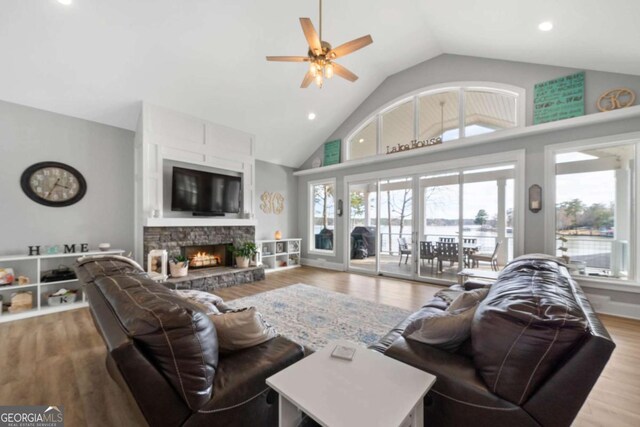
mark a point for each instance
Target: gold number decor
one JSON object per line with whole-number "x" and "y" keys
{"x": 615, "y": 99}
{"x": 272, "y": 203}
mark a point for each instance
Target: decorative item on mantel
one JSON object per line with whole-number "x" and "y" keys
{"x": 615, "y": 99}
{"x": 243, "y": 252}
{"x": 179, "y": 266}
{"x": 157, "y": 264}
{"x": 277, "y": 235}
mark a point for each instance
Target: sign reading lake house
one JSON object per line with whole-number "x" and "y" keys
{"x": 414, "y": 144}
{"x": 559, "y": 99}
{"x": 332, "y": 153}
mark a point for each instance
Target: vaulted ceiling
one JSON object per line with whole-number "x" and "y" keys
{"x": 98, "y": 59}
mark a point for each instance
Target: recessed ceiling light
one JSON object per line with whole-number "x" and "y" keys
{"x": 361, "y": 140}
{"x": 545, "y": 26}
{"x": 65, "y": 2}
{"x": 311, "y": 116}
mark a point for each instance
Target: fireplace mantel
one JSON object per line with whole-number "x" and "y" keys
{"x": 199, "y": 222}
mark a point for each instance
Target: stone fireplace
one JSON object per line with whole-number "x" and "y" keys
{"x": 211, "y": 263}
{"x": 173, "y": 239}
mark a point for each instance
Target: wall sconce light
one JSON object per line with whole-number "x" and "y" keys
{"x": 535, "y": 198}
{"x": 339, "y": 211}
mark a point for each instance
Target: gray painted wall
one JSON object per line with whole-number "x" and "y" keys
{"x": 103, "y": 154}
{"x": 455, "y": 68}
{"x": 458, "y": 68}
{"x": 276, "y": 178}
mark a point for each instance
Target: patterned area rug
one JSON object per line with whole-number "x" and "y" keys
{"x": 313, "y": 316}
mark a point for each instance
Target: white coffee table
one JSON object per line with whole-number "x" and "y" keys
{"x": 370, "y": 390}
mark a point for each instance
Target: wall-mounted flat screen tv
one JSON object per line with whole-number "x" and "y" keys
{"x": 205, "y": 192}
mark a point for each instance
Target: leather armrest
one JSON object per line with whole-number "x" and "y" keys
{"x": 456, "y": 376}
{"x": 242, "y": 375}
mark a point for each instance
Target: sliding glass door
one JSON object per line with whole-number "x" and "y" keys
{"x": 396, "y": 227}
{"x": 440, "y": 224}
{"x": 363, "y": 240}
{"x": 431, "y": 226}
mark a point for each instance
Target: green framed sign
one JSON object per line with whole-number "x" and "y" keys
{"x": 559, "y": 99}
{"x": 332, "y": 152}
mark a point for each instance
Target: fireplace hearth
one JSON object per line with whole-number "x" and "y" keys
{"x": 208, "y": 256}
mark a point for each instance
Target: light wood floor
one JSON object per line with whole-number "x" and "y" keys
{"x": 59, "y": 359}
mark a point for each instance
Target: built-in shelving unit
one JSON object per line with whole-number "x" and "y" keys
{"x": 278, "y": 254}
{"x": 34, "y": 267}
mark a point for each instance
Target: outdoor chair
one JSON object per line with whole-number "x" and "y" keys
{"x": 446, "y": 252}
{"x": 491, "y": 258}
{"x": 405, "y": 249}
{"x": 428, "y": 252}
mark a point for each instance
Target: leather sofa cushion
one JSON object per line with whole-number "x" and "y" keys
{"x": 525, "y": 327}
{"x": 249, "y": 369}
{"x": 445, "y": 329}
{"x": 456, "y": 376}
{"x": 175, "y": 335}
{"x": 468, "y": 299}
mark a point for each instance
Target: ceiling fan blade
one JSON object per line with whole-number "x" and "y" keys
{"x": 308, "y": 78}
{"x": 288, "y": 58}
{"x": 343, "y": 72}
{"x": 349, "y": 47}
{"x": 312, "y": 36}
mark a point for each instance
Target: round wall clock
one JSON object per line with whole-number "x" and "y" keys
{"x": 53, "y": 184}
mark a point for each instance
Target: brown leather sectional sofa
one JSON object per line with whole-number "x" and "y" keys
{"x": 163, "y": 351}
{"x": 536, "y": 350}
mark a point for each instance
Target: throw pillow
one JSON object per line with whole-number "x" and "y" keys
{"x": 242, "y": 328}
{"x": 204, "y": 300}
{"x": 468, "y": 299}
{"x": 445, "y": 329}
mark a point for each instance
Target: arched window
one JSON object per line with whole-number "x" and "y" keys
{"x": 450, "y": 111}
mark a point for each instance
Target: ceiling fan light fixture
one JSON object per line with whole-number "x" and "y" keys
{"x": 328, "y": 70}
{"x": 321, "y": 55}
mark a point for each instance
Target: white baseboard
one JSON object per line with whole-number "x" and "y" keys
{"x": 322, "y": 263}
{"x": 604, "y": 305}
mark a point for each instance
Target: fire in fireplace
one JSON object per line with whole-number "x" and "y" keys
{"x": 207, "y": 256}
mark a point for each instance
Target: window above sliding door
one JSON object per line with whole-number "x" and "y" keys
{"x": 448, "y": 112}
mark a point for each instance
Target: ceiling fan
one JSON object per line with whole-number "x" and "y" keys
{"x": 321, "y": 55}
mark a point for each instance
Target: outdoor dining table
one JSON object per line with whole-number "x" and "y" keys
{"x": 468, "y": 249}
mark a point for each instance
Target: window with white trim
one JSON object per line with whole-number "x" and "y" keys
{"x": 451, "y": 113}
{"x": 323, "y": 216}
{"x": 595, "y": 209}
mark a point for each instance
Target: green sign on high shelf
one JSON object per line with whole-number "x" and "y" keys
{"x": 559, "y": 99}
{"x": 331, "y": 153}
